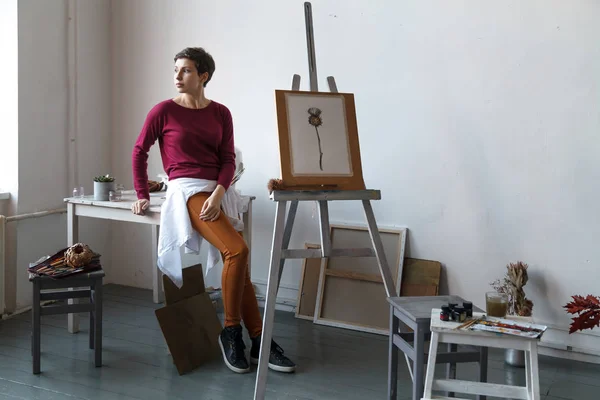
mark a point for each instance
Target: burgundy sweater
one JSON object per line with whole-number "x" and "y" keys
{"x": 193, "y": 144}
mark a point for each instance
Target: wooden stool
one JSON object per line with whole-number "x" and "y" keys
{"x": 415, "y": 312}
{"x": 444, "y": 332}
{"x": 93, "y": 280}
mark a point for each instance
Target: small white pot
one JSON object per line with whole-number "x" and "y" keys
{"x": 101, "y": 190}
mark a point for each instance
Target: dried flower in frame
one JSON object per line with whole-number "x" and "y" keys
{"x": 315, "y": 120}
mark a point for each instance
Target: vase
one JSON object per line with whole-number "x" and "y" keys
{"x": 102, "y": 189}
{"x": 513, "y": 357}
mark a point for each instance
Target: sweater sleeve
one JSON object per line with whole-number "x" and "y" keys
{"x": 227, "y": 152}
{"x": 151, "y": 130}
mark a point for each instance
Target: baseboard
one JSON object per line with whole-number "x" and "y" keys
{"x": 581, "y": 346}
{"x": 287, "y": 295}
{"x": 557, "y": 351}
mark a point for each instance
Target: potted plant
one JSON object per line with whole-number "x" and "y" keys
{"x": 102, "y": 187}
{"x": 518, "y": 304}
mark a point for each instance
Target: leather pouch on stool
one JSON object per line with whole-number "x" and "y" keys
{"x": 189, "y": 321}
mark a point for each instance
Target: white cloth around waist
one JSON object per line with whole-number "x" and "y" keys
{"x": 176, "y": 228}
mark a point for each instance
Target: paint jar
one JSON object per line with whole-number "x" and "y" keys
{"x": 445, "y": 313}
{"x": 468, "y": 306}
{"x": 460, "y": 314}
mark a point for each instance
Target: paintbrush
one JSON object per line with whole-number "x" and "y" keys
{"x": 469, "y": 323}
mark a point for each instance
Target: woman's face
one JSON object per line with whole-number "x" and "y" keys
{"x": 186, "y": 77}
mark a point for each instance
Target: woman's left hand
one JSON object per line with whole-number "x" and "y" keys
{"x": 211, "y": 208}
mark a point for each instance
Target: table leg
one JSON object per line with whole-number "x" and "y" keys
{"x": 402, "y": 328}
{"x": 528, "y": 382}
{"x": 430, "y": 367}
{"x": 247, "y": 232}
{"x": 419, "y": 361}
{"x": 483, "y": 368}
{"x": 451, "y": 367}
{"x": 98, "y": 323}
{"x": 72, "y": 238}
{"x": 534, "y": 373}
{"x": 36, "y": 327}
{"x": 393, "y": 357}
{"x": 269, "y": 312}
{"x": 158, "y": 295}
{"x": 92, "y": 314}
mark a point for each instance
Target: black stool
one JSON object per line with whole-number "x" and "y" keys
{"x": 93, "y": 280}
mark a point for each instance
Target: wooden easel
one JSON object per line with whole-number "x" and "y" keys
{"x": 283, "y": 229}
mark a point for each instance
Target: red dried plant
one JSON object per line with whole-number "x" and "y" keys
{"x": 587, "y": 310}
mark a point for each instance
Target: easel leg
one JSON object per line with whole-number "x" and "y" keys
{"x": 287, "y": 235}
{"x": 384, "y": 267}
{"x": 269, "y": 313}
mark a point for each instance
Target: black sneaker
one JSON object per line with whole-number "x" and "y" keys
{"x": 277, "y": 361}
{"x": 232, "y": 346}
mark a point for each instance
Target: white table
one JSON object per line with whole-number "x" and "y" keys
{"x": 445, "y": 332}
{"x": 121, "y": 211}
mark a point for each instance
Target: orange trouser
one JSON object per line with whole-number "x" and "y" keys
{"x": 239, "y": 299}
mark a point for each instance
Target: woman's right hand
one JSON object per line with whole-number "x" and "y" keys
{"x": 140, "y": 206}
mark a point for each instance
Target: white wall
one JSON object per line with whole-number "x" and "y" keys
{"x": 9, "y": 145}
{"x": 9, "y": 87}
{"x": 42, "y": 105}
{"x": 478, "y": 121}
{"x": 42, "y": 154}
{"x": 44, "y": 126}
{"x": 92, "y": 53}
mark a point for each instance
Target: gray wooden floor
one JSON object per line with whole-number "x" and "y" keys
{"x": 332, "y": 363}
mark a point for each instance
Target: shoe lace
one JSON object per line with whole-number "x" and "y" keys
{"x": 276, "y": 350}
{"x": 236, "y": 342}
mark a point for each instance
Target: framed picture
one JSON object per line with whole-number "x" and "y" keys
{"x": 318, "y": 140}
{"x": 351, "y": 293}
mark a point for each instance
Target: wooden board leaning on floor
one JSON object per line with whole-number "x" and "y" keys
{"x": 351, "y": 293}
{"x": 309, "y": 285}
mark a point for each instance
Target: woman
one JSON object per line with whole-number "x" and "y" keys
{"x": 196, "y": 143}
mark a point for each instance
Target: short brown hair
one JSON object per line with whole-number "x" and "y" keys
{"x": 204, "y": 61}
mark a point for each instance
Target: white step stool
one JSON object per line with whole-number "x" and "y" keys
{"x": 444, "y": 332}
